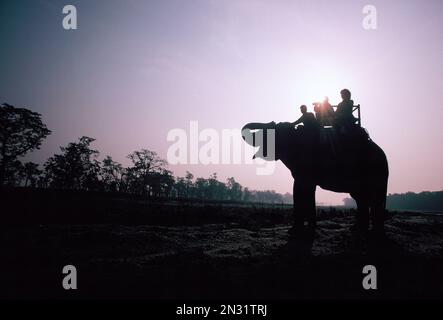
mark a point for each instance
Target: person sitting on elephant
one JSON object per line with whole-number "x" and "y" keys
{"x": 307, "y": 118}
{"x": 324, "y": 112}
{"x": 343, "y": 115}
{"x": 310, "y": 130}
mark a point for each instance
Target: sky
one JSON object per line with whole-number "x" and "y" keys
{"x": 135, "y": 70}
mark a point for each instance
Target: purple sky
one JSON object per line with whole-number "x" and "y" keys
{"x": 133, "y": 70}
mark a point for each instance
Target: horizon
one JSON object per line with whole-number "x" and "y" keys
{"x": 134, "y": 71}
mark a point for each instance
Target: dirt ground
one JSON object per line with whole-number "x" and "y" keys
{"x": 224, "y": 261}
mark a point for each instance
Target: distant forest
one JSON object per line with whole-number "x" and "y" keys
{"x": 77, "y": 167}
{"x": 423, "y": 201}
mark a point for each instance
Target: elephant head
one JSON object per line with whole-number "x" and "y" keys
{"x": 276, "y": 141}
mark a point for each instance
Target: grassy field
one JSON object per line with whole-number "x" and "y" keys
{"x": 130, "y": 248}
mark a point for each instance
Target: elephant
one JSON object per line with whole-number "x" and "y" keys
{"x": 341, "y": 162}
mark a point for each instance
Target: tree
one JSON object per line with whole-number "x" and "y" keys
{"x": 201, "y": 187}
{"x": 180, "y": 187}
{"x": 31, "y": 173}
{"x": 288, "y": 198}
{"x": 234, "y": 189}
{"x": 184, "y": 186}
{"x": 21, "y": 131}
{"x": 189, "y": 184}
{"x": 14, "y": 173}
{"x": 247, "y": 195}
{"x": 75, "y": 168}
{"x": 111, "y": 174}
{"x": 148, "y": 173}
{"x": 160, "y": 183}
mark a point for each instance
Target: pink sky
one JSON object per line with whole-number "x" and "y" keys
{"x": 134, "y": 70}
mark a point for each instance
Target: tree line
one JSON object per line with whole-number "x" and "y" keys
{"x": 77, "y": 167}
{"x": 423, "y": 201}
{"x": 426, "y": 200}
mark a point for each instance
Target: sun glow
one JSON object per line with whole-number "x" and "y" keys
{"x": 316, "y": 81}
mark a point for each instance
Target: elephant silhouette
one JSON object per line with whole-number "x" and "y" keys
{"x": 332, "y": 160}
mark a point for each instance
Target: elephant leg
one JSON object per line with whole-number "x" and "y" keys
{"x": 378, "y": 208}
{"x": 362, "y": 218}
{"x": 311, "y": 210}
{"x": 304, "y": 203}
{"x": 378, "y": 212}
{"x": 299, "y": 217}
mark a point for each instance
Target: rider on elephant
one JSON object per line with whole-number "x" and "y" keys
{"x": 324, "y": 112}
{"x": 311, "y": 132}
{"x": 343, "y": 115}
{"x": 308, "y": 119}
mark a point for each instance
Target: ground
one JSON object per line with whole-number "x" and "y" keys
{"x": 224, "y": 260}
